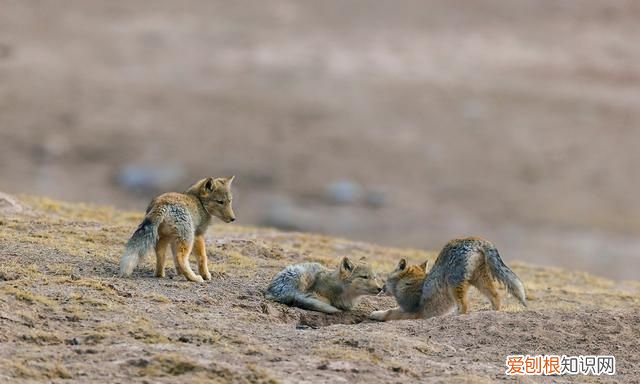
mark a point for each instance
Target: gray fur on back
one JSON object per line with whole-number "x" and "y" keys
{"x": 451, "y": 269}
{"x": 293, "y": 281}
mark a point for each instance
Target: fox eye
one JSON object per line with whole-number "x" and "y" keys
{"x": 365, "y": 276}
{"x": 220, "y": 202}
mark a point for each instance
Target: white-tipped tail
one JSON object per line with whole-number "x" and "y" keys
{"x": 504, "y": 274}
{"x": 143, "y": 239}
{"x": 128, "y": 262}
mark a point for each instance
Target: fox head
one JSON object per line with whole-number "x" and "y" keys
{"x": 359, "y": 279}
{"x": 215, "y": 195}
{"x": 405, "y": 277}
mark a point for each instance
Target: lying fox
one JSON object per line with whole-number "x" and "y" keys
{"x": 317, "y": 288}
{"x": 461, "y": 263}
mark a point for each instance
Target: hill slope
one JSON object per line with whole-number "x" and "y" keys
{"x": 65, "y": 315}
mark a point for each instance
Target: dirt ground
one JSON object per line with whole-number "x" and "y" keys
{"x": 66, "y": 317}
{"x": 517, "y": 121}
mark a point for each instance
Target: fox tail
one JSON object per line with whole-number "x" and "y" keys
{"x": 504, "y": 274}
{"x": 143, "y": 239}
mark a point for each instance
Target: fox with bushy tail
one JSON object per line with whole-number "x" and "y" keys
{"x": 315, "y": 287}
{"x": 180, "y": 220}
{"x": 460, "y": 264}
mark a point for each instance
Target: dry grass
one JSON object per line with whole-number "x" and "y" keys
{"x": 41, "y": 337}
{"x": 27, "y": 296}
{"x": 143, "y": 330}
{"x": 30, "y": 370}
{"x": 58, "y": 289}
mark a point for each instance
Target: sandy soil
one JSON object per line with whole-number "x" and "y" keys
{"x": 517, "y": 121}
{"x": 65, "y": 317}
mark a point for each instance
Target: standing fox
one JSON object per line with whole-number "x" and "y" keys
{"x": 462, "y": 262}
{"x": 180, "y": 220}
{"x": 314, "y": 287}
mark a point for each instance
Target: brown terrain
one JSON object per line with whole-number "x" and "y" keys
{"x": 514, "y": 120}
{"x": 399, "y": 123}
{"x": 66, "y": 317}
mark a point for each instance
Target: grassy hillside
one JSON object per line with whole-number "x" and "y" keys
{"x": 66, "y": 316}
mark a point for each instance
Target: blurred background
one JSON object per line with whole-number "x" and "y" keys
{"x": 401, "y": 123}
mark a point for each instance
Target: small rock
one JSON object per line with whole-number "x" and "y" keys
{"x": 73, "y": 341}
{"x": 343, "y": 192}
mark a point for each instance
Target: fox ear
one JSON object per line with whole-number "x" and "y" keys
{"x": 209, "y": 185}
{"x": 346, "y": 265}
{"x": 219, "y": 183}
{"x": 402, "y": 264}
{"x": 424, "y": 265}
{"x": 230, "y": 180}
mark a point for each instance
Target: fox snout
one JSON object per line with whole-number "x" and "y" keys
{"x": 378, "y": 287}
{"x": 229, "y": 217}
{"x": 226, "y": 214}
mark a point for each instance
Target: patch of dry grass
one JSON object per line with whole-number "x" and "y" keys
{"x": 47, "y": 370}
{"x": 41, "y": 337}
{"x": 14, "y": 270}
{"x": 143, "y": 330}
{"x": 27, "y": 296}
{"x": 177, "y": 364}
{"x": 237, "y": 263}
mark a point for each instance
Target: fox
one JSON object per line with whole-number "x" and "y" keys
{"x": 314, "y": 287}
{"x": 180, "y": 220}
{"x": 461, "y": 263}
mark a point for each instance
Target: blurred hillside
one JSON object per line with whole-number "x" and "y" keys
{"x": 401, "y": 123}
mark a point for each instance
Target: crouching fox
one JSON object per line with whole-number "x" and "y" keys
{"x": 180, "y": 220}
{"x": 314, "y": 287}
{"x": 460, "y": 264}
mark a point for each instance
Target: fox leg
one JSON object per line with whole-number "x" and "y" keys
{"x": 199, "y": 248}
{"x": 161, "y": 255}
{"x": 181, "y": 250}
{"x": 314, "y": 304}
{"x": 460, "y": 295}
{"x": 394, "y": 314}
{"x": 487, "y": 287}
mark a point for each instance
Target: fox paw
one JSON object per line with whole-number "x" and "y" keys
{"x": 378, "y": 315}
{"x": 197, "y": 279}
{"x": 207, "y": 276}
